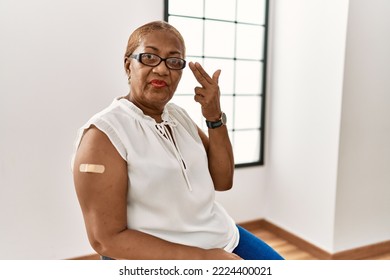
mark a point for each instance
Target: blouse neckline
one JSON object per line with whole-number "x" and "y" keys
{"x": 139, "y": 114}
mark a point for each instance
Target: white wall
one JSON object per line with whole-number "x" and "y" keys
{"x": 363, "y": 193}
{"x": 327, "y": 177}
{"x": 60, "y": 62}
{"x": 245, "y": 201}
{"x": 305, "y": 109}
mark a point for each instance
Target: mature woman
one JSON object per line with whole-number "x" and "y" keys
{"x": 146, "y": 175}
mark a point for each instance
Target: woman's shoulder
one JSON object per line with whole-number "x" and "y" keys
{"x": 108, "y": 123}
{"x": 117, "y": 114}
{"x": 112, "y": 109}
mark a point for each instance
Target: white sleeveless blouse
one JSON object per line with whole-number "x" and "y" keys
{"x": 171, "y": 194}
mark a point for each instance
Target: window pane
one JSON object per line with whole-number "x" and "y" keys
{"x": 248, "y": 77}
{"x": 250, "y": 41}
{"x": 226, "y": 79}
{"x": 192, "y": 32}
{"x": 251, "y": 11}
{"x": 221, "y": 9}
{"x": 219, "y": 39}
{"x": 193, "y": 59}
{"x": 247, "y": 112}
{"x": 188, "y": 81}
{"x": 188, "y": 8}
{"x": 246, "y": 146}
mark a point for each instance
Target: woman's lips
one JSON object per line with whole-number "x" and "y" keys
{"x": 158, "y": 83}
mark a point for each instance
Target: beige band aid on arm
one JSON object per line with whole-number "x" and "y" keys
{"x": 91, "y": 168}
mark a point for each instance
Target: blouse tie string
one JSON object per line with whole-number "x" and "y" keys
{"x": 166, "y": 129}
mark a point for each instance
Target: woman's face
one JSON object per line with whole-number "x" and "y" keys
{"x": 153, "y": 87}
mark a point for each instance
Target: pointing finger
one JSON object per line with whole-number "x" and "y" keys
{"x": 216, "y": 76}
{"x": 200, "y": 74}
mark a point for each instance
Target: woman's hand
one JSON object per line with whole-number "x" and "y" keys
{"x": 208, "y": 95}
{"x": 217, "y": 144}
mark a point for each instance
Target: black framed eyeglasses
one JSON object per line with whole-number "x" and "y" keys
{"x": 153, "y": 60}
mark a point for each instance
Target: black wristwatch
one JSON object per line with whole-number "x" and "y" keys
{"x": 222, "y": 121}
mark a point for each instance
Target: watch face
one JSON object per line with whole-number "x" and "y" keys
{"x": 223, "y": 118}
{"x": 220, "y": 122}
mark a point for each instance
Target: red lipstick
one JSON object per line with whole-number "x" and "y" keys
{"x": 158, "y": 83}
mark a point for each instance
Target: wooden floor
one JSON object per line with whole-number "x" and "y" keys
{"x": 290, "y": 251}
{"x": 283, "y": 247}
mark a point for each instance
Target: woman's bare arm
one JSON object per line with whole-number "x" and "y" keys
{"x": 220, "y": 156}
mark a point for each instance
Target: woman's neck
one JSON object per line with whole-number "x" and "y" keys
{"x": 153, "y": 112}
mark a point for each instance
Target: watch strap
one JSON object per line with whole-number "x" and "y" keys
{"x": 215, "y": 124}
{"x": 218, "y": 123}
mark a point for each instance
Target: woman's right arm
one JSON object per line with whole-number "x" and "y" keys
{"x": 103, "y": 201}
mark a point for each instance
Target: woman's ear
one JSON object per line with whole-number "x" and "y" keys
{"x": 127, "y": 66}
{"x": 127, "y": 69}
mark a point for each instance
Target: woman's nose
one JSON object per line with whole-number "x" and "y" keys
{"x": 161, "y": 69}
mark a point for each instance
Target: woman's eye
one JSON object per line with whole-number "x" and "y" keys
{"x": 149, "y": 57}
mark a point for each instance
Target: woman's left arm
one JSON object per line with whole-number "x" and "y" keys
{"x": 217, "y": 144}
{"x": 220, "y": 155}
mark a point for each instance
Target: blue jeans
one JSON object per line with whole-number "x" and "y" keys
{"x": 249, "y": 247}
